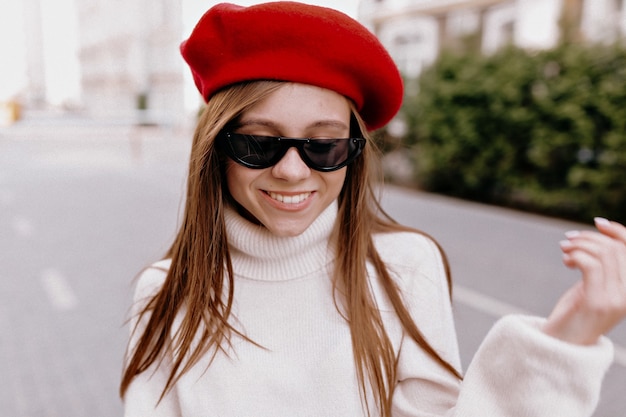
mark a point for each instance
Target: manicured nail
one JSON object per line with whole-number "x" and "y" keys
{"x": 565, "y": 244}
{"x": 572, "y": 233}
{"x": 601, "y": 221}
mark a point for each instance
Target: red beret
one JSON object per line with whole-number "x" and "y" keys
{"x": 290, "y": 41}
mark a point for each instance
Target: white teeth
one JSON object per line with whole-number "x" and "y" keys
{"x": 289, "y": 199}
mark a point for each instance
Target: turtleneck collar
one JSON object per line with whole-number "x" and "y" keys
{"x": 258, "y": 254}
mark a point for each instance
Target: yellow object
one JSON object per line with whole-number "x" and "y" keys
{"x": 10, "y": 112}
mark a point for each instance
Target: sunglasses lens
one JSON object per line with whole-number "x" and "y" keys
{"x": 327, "y": 153}
{"x": 255, "y": 151}
{"x": 260, "y": 152}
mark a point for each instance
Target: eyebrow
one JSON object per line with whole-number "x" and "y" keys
{"x": 268, "y": 123}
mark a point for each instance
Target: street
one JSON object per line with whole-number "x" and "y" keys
{"x": 84, "y": 208}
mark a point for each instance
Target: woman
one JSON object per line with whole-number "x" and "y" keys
{"x": 289, "y": 292}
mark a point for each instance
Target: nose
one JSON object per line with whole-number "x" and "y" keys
{"x": 291, "y": 167}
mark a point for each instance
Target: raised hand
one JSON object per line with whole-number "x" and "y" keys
{"x": 596, "y": 303}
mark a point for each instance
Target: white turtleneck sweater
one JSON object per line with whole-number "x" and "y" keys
{"x": 283, "y": 301}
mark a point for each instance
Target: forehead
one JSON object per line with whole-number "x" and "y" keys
{"x": 299, "y": 106}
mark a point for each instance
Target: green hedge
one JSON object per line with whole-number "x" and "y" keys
{"x": 542, "y": 131}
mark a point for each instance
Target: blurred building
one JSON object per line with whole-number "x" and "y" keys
{"x": 35, "y": 95}
{"x": 131, "y": 70}
{"x": 415, "y": 31}
{"x": 38, "y": 45}
{"x": 130, "y": 66}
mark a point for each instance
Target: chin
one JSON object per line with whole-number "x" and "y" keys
{"x": 287, "y": 230}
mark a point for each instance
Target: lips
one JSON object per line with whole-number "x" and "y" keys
{"x": 289, "y": 199}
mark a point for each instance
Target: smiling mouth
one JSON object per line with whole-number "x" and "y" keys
{"x": 289, "y": 199}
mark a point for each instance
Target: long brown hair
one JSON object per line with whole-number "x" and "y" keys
{"x": 201, "y": 276}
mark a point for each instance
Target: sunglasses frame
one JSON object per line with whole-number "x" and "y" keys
{"x": 224, "y": 138}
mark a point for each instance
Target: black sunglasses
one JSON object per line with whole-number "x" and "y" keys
{"x": 258, "y": 152}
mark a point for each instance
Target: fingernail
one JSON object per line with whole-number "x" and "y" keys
{"x": 565, "y": 244}
{"x": 572, "y": 233}
{"x": 601, "y": 221}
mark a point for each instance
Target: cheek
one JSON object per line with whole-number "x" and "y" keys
{"x": 238, "y": 179}
{"x": 335, "y": 181}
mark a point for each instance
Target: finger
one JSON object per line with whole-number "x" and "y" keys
{"x": 615, "y": 247}
{"x": 610, "y": 253}
{"x": 591, "y": 266}
{"x": 602, "y": 295}
{"x": 601, "y": 259}
{"x": 592, "y": 242}
{"x": 609, "y": 228}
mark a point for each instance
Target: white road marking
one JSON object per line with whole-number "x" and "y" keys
{"x": 58, "y": 289}
{"x": 484, "y": 303}
{"x": 23, "y": 227}
{"x": 497, "y": 308}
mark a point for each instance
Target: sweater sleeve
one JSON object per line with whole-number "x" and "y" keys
{"x": 518, "y": 371}
{"x": 143, "y": 394}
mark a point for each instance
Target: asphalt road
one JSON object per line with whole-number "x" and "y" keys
{"x": 84, "y": 207}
